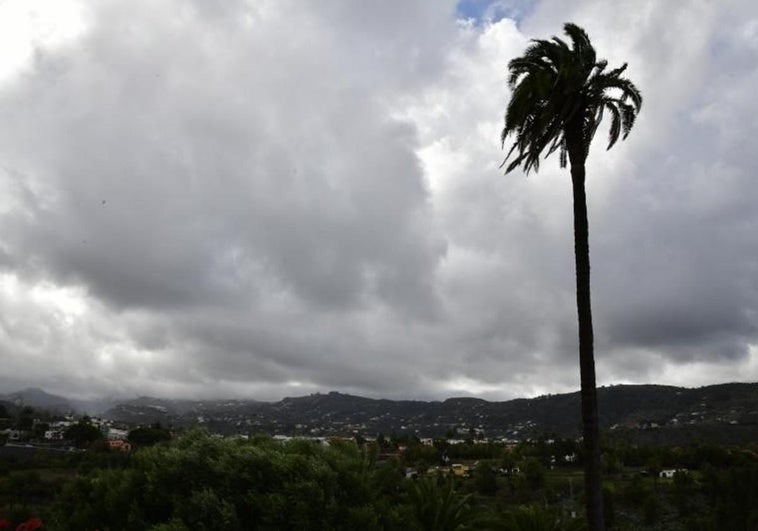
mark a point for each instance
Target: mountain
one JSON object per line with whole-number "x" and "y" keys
{"x": 38, "y": 398}
{"x": 726, "y": 413}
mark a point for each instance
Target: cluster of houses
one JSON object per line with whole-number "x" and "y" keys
{"x": 57, "y": 429}
{"x": 55, "y": 434}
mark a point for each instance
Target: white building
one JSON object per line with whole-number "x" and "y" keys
{"x": 54, "y": 435}
{"x": 114, "y": 434}
{"x": 669, "y": 472}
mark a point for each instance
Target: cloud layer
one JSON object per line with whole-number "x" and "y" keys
{"x": 271, "y": 198}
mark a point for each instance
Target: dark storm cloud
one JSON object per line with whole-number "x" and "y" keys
{"x": 229, "y": 172}
{"x": 679, "y": 253}
{"x": 173, "y": 172}
{"x": 269, "y": 198}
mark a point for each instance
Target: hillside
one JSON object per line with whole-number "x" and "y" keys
{"x": 721, "y": 413}
{"x": 38, "y": 398}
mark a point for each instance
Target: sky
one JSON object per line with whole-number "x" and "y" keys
{"x": 269, "y": 198}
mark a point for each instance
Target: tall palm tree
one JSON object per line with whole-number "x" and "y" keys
{"x": 559, "y": 96}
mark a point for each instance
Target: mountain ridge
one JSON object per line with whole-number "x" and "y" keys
{"x": 649, "y": 408}
{"x": 641, "y": 411}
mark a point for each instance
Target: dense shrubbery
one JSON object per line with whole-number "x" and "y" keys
{"x": 205, "y": 483}
{"x": 202, "y": 482}
{"x": 149, "y": 435}
{"x": 198, "y": 481}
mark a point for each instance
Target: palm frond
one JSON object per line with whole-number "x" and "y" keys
{"x": 559, "y": 94}
{"x": 628, "y": 115}
{"x": 616, "y": 72}
{"x": 583, "y": 48}
{"x": 615, "y": 129}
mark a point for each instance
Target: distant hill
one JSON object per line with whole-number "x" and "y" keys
{"x": 38, "y": 398}
{"x": 659, "y": 414}
{"x": 726, "y": 413}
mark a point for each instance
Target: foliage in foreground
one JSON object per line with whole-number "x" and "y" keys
{"x": 205, "y": 483}
{"x": 202, "y": 482}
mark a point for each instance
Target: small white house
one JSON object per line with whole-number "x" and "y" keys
{"x": 54, "y": 435}
{"x": 669, "y": 472}
{"x": 115, "y": 434}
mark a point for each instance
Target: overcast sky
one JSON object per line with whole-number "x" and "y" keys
{"x": 263, "y": 198}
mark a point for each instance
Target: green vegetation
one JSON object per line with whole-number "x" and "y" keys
{"x": 201, "y": 481}
{"x": 83, "y": 433}
{"x": 148, "y": 436}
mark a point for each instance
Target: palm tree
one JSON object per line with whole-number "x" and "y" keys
{"x": 559, "y": 96}
{"x": 437, "y": 506}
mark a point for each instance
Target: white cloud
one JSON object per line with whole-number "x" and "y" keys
{"x": 29, "y": 26}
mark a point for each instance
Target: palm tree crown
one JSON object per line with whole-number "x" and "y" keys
{"x": 559, "y": 96}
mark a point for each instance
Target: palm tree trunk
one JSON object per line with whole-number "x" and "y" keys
{"x": 592, "y": 479}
